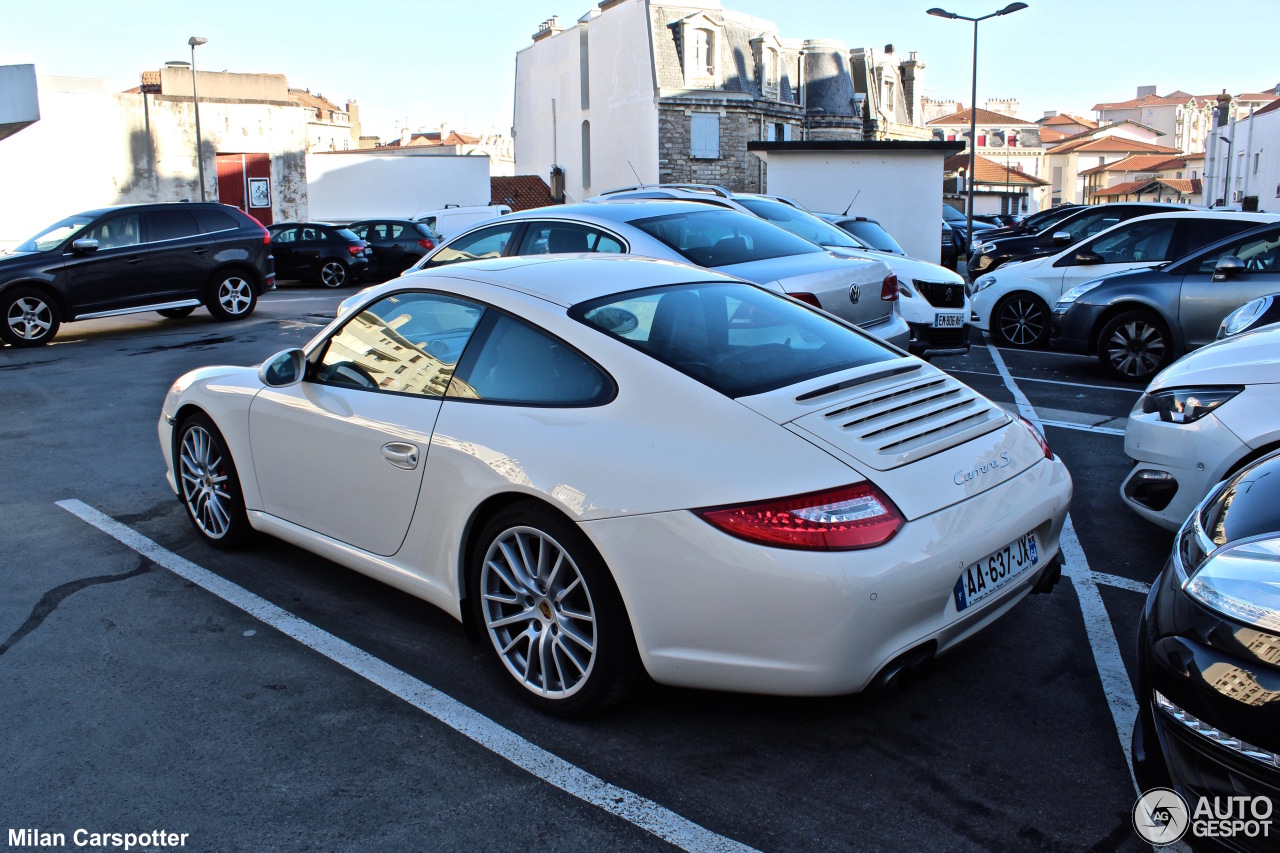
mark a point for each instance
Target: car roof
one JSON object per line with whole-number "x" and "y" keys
{"x": 620, "y": 210}
{"x": 1260, "y": 218}
{"x": 569, "y": 279}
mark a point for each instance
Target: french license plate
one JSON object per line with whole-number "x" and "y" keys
{"x": 996, "y": 570}
{"x": 948, "y": 321}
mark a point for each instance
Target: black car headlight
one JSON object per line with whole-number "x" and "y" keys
{"x": 1187, "y": 405}
{"x": 1242, "y": 582}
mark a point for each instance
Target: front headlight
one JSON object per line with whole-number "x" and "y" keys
{"x": 1245, "y": 316}
{"x": 979, "y": 247}
{"x": 983, "y": 283}
{"x": 1076, "y": 292}
{"x": 1242, "y": 582}
{"x": 1187, "y": 405}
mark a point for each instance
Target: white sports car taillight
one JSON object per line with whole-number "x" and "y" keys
{"x": 844, "y": 519}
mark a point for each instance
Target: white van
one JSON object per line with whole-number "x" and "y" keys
{"x": 451, "y": 220}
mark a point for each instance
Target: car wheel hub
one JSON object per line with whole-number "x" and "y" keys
{"x": 235, "y": 295}
{"x": 204, "y": 483}
{"x": 29, "y": 318}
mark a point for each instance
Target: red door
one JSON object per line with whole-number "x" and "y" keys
{"x": 244, "y": 181}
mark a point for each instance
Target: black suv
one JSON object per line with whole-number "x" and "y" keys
{"x": 1052, "y": 235}
{"x": 169, "y": 258}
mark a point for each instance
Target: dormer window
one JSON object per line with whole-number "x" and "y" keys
{"x": 703, "y": 53}
{"x": 771, "y": 69}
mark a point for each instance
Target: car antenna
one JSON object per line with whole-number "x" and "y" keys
{"x": 851, "y": 201}
{"x": 637, "y": 174}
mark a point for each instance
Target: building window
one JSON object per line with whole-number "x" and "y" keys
{"x": 586, "y": 153}
{"x": 770, "y": 69}
{"x": 982, "y": 140}
{"x": 951, "y": 137}
{"x": 704, "y": 53}
{"x": 1255, "y": 163}
{"x": 584, "y": 69}
{"x": 704, "y": 136}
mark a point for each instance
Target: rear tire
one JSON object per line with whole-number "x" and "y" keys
{"x": 550, "y": 614}
{"x": 176, "y": 313}
{"x": 208, "y": 484}
{"x": 334, "y": 274}
{"x": 1021, "y": 320}
{"x": 28, "y": 317}
{"x": 1134, "y": 346}
{"x": 232, "y": 296}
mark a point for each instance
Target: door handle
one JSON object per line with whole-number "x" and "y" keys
{"x": 135, "y": 259}
{"x": 401, "y": 454}
{"x": 201, "y": 251}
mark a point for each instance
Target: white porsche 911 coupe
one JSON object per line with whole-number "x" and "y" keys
{"x": 608, "y": 467}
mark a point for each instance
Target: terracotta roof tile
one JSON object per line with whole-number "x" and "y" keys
{"x": 1171, "y": 99}
{"x": 1189, "y": 186}
{"x": 984, "y": 117}
{"x": 990, "y": 172}
{"x": 1122, "y": 189}
{"x": 1067, "y": 118}
{"x": 1269, "y": 108}
{"x": 1112, "y": 143}
{"x": 1048, "y": 134}
{"x": 519, "y": 192}
{"x": 1134, "y": 163}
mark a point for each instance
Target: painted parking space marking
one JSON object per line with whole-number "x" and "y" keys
{"x": 1120, "y": 388}
{"x": 1098, "y": 628}
{"x": 1123, "y": 583}
{"x": 1099, "y": 430}
{"x": 633, "y": 808}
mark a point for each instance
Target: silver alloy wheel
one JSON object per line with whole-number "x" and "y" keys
{"x": 333, "y": 274}
{"x": 30, "y": 318}
{"x": 538, "y": 612}
{"x": 1022, "y": 321}
{"x": 204, "y": 483}
{"x": 1136, "y": 349}
{"x": 235, "y": 295}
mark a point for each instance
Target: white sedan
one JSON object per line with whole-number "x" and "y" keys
{"x": 1200, "y": 420}
{"x": 610, "y": 466}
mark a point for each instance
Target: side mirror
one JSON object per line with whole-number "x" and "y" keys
{"x": 283, "y": 369}
{"x": 84, "y": 246}
{"x": 1088, "y": 258}
{"x": 1061, "y": 238}
{"x": 1227, "y": 267}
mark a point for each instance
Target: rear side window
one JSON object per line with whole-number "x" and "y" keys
{"x": 515, "y": 363}
{"x": 211, "y": 220}
{"x": 172, "y": 225}
{"x": 285, "y": 235}
{"x": 738, "y": 339}
{"x": 873, "y": 235}
{"x": 1139, "y": 242}
{"x": 718, "y": 238}
{"x": 485, "y": 243}
{"x": 542, "y": 238}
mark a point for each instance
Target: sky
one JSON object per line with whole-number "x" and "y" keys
{"x": 433, "y": 62}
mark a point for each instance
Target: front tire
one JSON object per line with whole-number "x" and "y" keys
{"x": 208, "y": 484}
{"x": 334, "y": 274}
{"x": 1134, "y": 346}
{"x": 28, "y": 317}
{"x": 550, "y": 614}
{"x": 231, "y": 296}
{"x": 1021, "y": 320}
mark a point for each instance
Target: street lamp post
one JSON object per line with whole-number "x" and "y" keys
{"x": 195, "y": 41}
{"x": 973, "y": 101}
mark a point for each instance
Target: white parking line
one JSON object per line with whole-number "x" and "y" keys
{"x": 1057, "y": 382}
{"x": 633, "y": 808}
{"x": 1102, "y": 637}
{"x": 1123, "y": 583}
{"x": 1100, "y": 430}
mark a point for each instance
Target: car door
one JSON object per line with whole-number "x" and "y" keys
{"x": 283, "y": 246}
{"x": 117, "y": 274}
{"x": 491, "y": 242}
{"x": 1142, "y": 243}
{"x": 307, "y": 251}
{"x": 179, "y": 255}
{"x": 1207, "y": 297}
{"x": 342, "y": 452}
{"x": 385, "y": 251}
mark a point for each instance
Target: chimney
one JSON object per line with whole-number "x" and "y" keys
{"x": 888, "y": 50}
{"x": 1224, "y": 109}
{"x": 1143, "y": 91}
{"x": 548, "y": 28}
{"x": 405, "y": 136}
{"x": 911, "y": 84}
{"x": 1050, "y": 113}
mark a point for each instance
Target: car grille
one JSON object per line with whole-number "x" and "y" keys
{"x": 941, "y": 295}
{"x": 890, "y": 427}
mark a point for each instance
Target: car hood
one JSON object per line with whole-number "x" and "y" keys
{"x": 10, "y": 256}
{"x": 1252, "y": 358}
{"x": 906, "y": 269}
{"x": 809, "y": 267}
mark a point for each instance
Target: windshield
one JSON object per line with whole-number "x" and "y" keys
{"x": 873, "y": 235}
{"x": 718, "y": 238}
{"x": 950, "y": 214}
{"x": 1047, "y": 222}
{"x": 800, "y": 223}
{"x": 55, "y": 235}
{"x": 735, "y": 338}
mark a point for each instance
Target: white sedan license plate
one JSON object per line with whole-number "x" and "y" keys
{"x": 995, "y": 571}
{"x": 948, "y": 321}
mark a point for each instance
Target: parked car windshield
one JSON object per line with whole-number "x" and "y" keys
{"x": 738, "y": 339}
{"x": 799, "y": 222}
{"x": 719, "y": 238}
{"x": 873, "y": 235}
{"x": 54, "y": 236}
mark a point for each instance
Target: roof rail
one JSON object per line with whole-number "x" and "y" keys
{"x": 704, "y": 188}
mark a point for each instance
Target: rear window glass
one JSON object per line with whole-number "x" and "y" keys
{"x": 799, "y": 222}
{"x": 873, "y": 235}
{"x": 347, "y": 234}
{"x": 738, "y": 339}
{"x": 212, "y": 220}
{"x": 719, "y": 238}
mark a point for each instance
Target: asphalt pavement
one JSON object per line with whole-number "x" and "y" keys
{"x": 136, "y": 697}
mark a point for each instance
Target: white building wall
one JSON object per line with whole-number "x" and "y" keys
{"x": 623, "y": 109}
{"x": 349, "y": 187}
{"x": 901, "y": 189}
{"x": 1246, "y": 180}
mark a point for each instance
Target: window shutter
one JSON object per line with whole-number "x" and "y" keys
{"x": 695, "y": 135}
{"x": 786, "y": 133}
{"x": 704, "y": 135}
